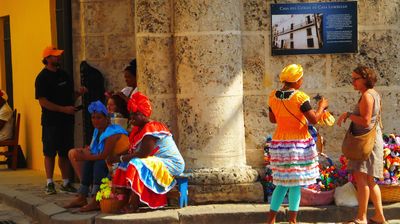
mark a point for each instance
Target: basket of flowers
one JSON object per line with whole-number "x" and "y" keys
{"x": 331, "y": 176}
{"x": 389, "y": 185}
{"x": 111, "y": 201}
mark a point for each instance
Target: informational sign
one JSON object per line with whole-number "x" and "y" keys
{"x": 314, "y": 28}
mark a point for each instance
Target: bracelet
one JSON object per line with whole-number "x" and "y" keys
{"x": 120, "y": 158}
{"x": 348, "y": 114}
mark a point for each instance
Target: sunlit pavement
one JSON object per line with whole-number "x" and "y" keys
{"x": 24, "y": 190}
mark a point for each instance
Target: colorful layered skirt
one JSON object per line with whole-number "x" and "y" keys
{"x": 294, "y": 162}
{"x": 148, "y": 178}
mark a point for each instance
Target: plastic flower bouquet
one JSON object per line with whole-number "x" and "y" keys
{"x": 331, "y": 176}
{"x": 110, "y": 201}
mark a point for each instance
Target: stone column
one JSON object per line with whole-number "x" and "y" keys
{"x": 155, "y": 58}
{"x": 190, "y": 64}
{"x": 208, "y": 62}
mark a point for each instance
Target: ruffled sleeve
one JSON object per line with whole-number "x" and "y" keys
{"x": 153, "y": 128}
{"x": 301, "y": 97}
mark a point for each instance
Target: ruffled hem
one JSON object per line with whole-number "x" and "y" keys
{"x": 292, "y": 178}
{"x": 146, "y": 196}
{"x": 289, "y": 183}
{"x": 153, "y": 174}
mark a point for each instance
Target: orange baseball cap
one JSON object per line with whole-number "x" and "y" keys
{"x": 51, "y": 51}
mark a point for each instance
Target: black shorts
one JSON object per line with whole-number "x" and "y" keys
{"x": 57, "y": 140}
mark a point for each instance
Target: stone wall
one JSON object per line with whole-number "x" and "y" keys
{"x": 104, "y": 36}
{"x": 328, "y": 75}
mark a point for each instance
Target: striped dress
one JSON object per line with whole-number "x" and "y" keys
{"x": 151, "y": 177}
{"x": 294, "y": 159}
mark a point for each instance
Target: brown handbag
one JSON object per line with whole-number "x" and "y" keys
{"x": 359, "y": 147}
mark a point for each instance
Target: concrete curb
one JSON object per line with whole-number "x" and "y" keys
{"x": 48, "y": 213}
{"x": 41, "y": 210}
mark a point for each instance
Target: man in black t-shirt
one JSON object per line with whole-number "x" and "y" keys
{"x": 54, "y": 89}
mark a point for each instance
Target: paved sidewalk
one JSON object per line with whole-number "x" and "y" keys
{"x": 12, "y": 215}
{"x": 24, "y": 190}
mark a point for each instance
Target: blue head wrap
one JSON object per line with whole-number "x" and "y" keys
{"x": 97, "y": 107}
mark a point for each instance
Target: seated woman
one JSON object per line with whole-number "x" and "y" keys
{"x": 117, "y": 108}
{"x": 89, "y": 163}
{"x": 153, "y": 161}
{"x": 6, "y": 118}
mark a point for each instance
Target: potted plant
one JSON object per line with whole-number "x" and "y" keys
{"x": 110, "y": 200}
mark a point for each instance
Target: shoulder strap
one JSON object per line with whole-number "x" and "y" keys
{"x": 292, "y": 113}
{"x": 378, "y": 116}
{"x": 380, "y": 112}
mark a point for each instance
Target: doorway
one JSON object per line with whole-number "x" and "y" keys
{"x": 5, "y": 56}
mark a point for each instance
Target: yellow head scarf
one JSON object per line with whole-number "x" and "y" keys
{"x": 291, "y": 73}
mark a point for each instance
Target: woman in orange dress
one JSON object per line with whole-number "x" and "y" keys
{"x": 294, "y": 159}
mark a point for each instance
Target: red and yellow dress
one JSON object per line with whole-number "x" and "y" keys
{"x": 151, "y": 177}
{"x": 294, "y": 158}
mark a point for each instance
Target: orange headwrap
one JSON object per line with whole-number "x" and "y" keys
{"x": 140, "y": 102}
{"x": 291, "y": 73}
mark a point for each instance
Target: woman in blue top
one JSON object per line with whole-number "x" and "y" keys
{"x": 91, "y": 160}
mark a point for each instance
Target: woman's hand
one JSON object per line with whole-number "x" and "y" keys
{"x": 82, "y": 154}
{"x": 323, "y": 103}
{"x": 342, "y": 119}
{"x": 112, "y": 159}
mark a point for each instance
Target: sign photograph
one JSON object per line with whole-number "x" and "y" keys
{"x": 314, "y": 28}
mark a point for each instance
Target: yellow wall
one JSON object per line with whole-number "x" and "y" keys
{"x": 30, "y": 33}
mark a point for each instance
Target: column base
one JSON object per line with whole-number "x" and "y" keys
{"x": 225, "y": 185}
{"x": 251, "y": 192}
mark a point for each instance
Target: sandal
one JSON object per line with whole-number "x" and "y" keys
{"x": 76, "y": 203}
{"x": 92, "y": 206}
{"x": 371, "y": 221}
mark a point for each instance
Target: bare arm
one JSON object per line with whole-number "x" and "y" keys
{"x": 55, "y": 107}
{"x": 109, "y": 145}
{"x": 147, "y": 145}
{"x": 366, "y": 106}
{"x": 82, "y": 90}
{"x": 271, "y": 117}
{"x": 313, "y": 116}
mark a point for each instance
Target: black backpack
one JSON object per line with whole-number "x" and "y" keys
{"x": 93, "y": 80}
